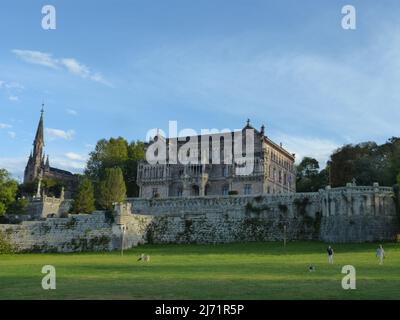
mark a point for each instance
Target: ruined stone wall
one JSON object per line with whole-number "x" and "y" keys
{"x": 359, "y": 214}
{"x": 83, "y": 232}
{"x": 351, "y": 214}
{"x": 46, "y": 206}
{"x": 232, "y": 218}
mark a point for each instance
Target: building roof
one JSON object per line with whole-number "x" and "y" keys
{"x": 60, "y": 171}
{"x": 248, "y": 126}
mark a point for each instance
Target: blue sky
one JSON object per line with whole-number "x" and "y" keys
{"x": 120, "y": 68}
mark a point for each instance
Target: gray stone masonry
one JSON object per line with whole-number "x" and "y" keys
{"x": 349, "y": 214}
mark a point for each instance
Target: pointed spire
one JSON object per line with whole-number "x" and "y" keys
{"x": 47, "y": 162}
{"x": 39, "y": 132}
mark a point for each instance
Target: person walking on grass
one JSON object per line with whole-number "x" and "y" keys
{"x": 380, "y": 253}
{"x": 330, "y": 254}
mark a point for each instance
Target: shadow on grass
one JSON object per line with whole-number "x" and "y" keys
{"x": 76, "y": 288}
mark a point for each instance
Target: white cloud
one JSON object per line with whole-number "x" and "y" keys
{"x": 72, "y": 112}
{"x": 14, "y": 165}
{"x": 76, "y": 67}
{"x": 70, "y": 64}
{"x": 317, "y": 148}
{"x": 59, "y": 134}
{"x": 10, "y": 89}
{"x": 11, "y": 85}
{"x": 12, "y": 134}
{"x": 99, "y": 78}
{"x": 37, "y": 57}
{"x": 71, "y": 161}
{"x": 5, "y": 126}
{"x": 75, "y": 156}
{"x": 67, "y": 164}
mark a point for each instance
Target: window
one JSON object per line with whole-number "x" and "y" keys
{"x": 225, "y": 190}
{"x": 225, "y": 171}
{"x": 179, "y": 192}
{"x": 247, "y": 189}
{"x": 155, "y": 192}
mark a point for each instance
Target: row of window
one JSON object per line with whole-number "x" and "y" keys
{"x": 225, "y": 191}
{"x": 278, "y": 158}
{"x": 279, "y": 175}
{"x": 247, "y": 190}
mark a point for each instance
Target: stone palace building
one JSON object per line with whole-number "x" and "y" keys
{"x": 273, "y": 173}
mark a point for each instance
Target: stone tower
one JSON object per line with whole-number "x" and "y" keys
{"x": 36, "y": 163}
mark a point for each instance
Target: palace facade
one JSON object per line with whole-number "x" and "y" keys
{"x": 273, "y": 169}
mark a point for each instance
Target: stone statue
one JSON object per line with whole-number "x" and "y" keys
{"x": 38, "y": 191}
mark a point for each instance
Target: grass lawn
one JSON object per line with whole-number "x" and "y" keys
{"x": 227, "y": 271}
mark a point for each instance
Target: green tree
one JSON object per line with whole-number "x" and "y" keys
{"x": 28, "y": 188}
{"x": 135, "y": 155}
{"x": 112, "y": 153}
{"x": 8, "y": 191}
{"x": 112, "y": 188}
{"x": 367, "y": 163}
{"x": 309, "y": 178}
{"x": 107, "y": 154}
{"x": 84, "y": 197}
{"x": 308, "y": 167}
{"x": 18, "y": 206}
{"x": 51, "y": 187}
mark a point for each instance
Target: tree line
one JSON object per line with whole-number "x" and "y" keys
{"x": 365, "y": 163}
{"x": 111, "y": 171}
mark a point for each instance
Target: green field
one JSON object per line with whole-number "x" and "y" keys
{"x": 229, "y": 271}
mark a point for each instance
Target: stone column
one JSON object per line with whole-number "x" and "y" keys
{"x": 62, "y": 196}
{"x": 186, "y": 185}
{"x": 203, "y": 183}
{"x": 38, "y": 191}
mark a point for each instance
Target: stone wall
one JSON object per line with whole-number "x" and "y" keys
{"x": 83, "y": 232}
{"x": 47, "y": 206}
{"x": 351, "y": 214}
{"x": 359, "y": 214}
{"x": 232, "y": 218}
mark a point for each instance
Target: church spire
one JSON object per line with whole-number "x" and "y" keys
{"x": 39, "y": 133}
{"x": 36, "y": 160}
